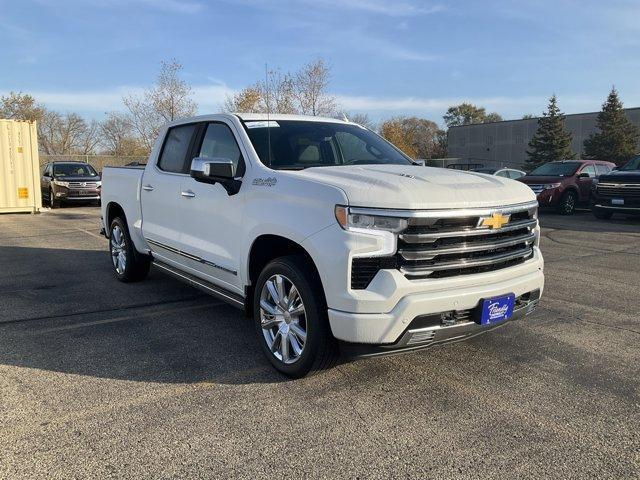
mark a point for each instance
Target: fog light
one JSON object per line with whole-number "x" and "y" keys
{"x": 59, "y": 194}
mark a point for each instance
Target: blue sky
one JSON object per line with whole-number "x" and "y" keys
{"x": 387, "y": 57}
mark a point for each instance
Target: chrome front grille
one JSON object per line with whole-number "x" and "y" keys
{"x": 437, "y": 244}
{"x": 83, "y": 185}
{"x": 619, "y": 190}
{"x": 537, "y": 189}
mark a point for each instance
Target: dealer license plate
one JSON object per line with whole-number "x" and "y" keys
{"x": 497, "y": 309}
{"x": 617, "y": 201}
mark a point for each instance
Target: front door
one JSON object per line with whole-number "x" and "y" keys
{"x": 584, "y": 183}
{"x": 211, "y": 218}
{"x": 160, "y": 194}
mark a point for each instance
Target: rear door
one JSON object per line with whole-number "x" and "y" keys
{"x": 211, "y": 218}
{"x": 160, "y": 193}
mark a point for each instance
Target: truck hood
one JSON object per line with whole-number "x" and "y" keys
{"x": 621, "y": 176}
{"x": 418, "y": 187}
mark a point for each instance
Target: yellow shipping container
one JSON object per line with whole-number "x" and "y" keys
{"x": 19, "y": 167}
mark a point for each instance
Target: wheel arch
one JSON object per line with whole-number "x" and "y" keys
{"x": 113, "y": 210}
{"x": 264, "y": 249}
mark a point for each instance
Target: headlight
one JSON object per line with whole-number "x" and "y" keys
{"x": 549, "y": 186}
{"x": 60, "y": 183}
{"x": 364, "y": 221}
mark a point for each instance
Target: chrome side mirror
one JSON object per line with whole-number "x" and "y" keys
{"x": 216, "y": 170}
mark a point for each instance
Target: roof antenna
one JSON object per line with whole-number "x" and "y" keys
{"x": 344, "y": 117}
{"x": 266, "y": 86}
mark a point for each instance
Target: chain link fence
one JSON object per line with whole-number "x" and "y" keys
{"x": 96, "y": 161}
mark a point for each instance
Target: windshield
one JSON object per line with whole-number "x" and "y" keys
{"x": 633, "y": 164}
{"x": 296, "y": 145}
{"x": 73, "y": 170}
{"x": 557, "y": 169}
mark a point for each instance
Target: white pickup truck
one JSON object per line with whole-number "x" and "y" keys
{"x": 328, "y": 236}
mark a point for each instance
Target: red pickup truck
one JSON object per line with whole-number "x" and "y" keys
{"x": 565, "y": 184}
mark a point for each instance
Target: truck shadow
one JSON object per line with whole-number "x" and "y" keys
{"x": 65, "y": 312}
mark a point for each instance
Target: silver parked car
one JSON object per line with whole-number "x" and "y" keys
{"x": 501, "y": 172}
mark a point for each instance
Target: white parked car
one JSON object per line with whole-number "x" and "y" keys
{"x": 502, "y": 172}
{"x": 326, "y": 235}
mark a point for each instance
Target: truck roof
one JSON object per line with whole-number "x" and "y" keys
{"x": 254, "y": 117}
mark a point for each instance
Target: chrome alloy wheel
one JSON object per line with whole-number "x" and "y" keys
{"x": 283, "y": 318}
{"x": 118, "y": 252}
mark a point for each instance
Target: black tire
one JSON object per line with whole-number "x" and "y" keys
{"x": 52, "y": 200}
{"x": 601, "y": 214}
{"x": 567, "y": 205}
{"x": 136, "y": 265}
{"x": 320, "y": 349}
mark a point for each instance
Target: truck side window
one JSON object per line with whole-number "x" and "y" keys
{"x": 175, "y": 149}
{"x": 219, "y": 142}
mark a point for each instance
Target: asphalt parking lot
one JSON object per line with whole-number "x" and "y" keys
{"x": 100, "y": 379}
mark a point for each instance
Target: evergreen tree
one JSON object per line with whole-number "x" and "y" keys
{"x": 617, "y": 138}
{"x": 551, "y": 141}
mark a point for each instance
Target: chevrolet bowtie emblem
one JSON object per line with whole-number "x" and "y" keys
{"x": 497, "y": 220}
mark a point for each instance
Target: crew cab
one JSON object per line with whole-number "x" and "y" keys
{"x": 566, "y": 184}
{"x": 326, "y": 235}
{"x": 618, "y": 191}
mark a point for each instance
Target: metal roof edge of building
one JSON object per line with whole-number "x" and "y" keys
{"x": 534, "y": 118}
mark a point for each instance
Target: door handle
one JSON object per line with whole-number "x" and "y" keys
{"x": 187, "y": 194}
{"x": 147, "y": 188}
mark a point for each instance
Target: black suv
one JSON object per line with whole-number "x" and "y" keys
{"x": 618, "y": 191}
{"x": 70, "y": 181}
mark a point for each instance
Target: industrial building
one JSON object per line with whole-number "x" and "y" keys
{"x": 505, "y": 144}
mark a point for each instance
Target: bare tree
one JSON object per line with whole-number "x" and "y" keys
{"x": 68, "y": 133}
{"x": 278, "y": 93}
{"x": 362, "y": 119}
{"x": 311, "y": 84}
{"x": 282, "y": 92}
{"x": 168, "y": 100}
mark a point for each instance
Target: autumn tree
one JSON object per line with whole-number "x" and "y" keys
{"x": 467, "y": 114}
{"x": 551, "y": 141}
{"x": 617, "y": 138}
{"x": 416, "y": 137}
{"x": 169, "y": 99}
{"x": 20, "y": 106}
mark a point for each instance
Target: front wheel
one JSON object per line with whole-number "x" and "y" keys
{"x": 568, "y": 203}
{"x": 290, "y": 315}
{"x": 128, "y": 265}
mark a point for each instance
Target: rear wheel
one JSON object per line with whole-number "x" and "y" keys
{"x": 128, "y": 264}
{"x": 568, "y": 203}
{"x": 290, "y": 316}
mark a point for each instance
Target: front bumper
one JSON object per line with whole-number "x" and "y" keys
{"x": 549, "y": 198}
{"x": 416, "y": 337}
{"x": 389, "y": 328}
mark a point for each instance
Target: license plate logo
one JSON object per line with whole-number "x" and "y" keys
{"x": 497, "y": 309}
{"x": 617, "y": 201}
